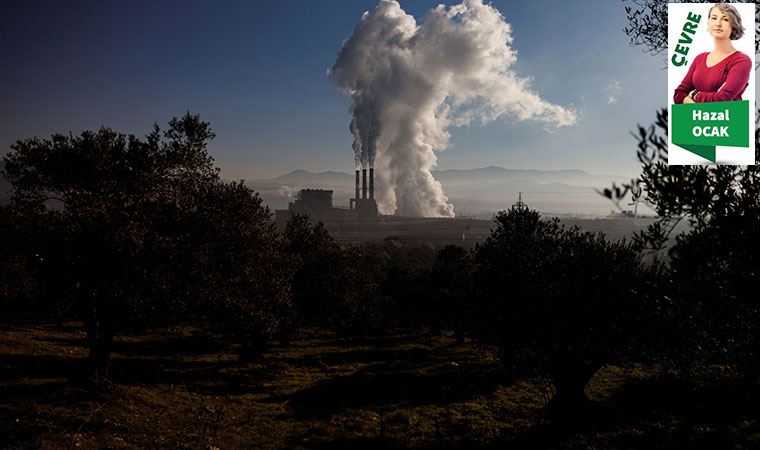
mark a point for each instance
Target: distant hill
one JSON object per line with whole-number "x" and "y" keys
{"x": 492, "y": 173}
{"x": 456, "y": 176}
{"x": 472, "y": 191}
{"x": 304, "y": 176}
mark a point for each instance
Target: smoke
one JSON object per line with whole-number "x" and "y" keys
{"x": 287, "y": 192}
{"x": 409, "y": 82}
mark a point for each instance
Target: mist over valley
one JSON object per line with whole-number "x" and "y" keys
{"x": 477, "y": 193}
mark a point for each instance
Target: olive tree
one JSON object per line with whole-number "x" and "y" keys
{"x": 561, "y": 302}
{"x": 143, "y": 231}
{"x": 713, "y": 265}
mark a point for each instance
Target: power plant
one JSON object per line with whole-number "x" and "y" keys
{"x": 318, "y": 203}
{"x": 360, "y": 221}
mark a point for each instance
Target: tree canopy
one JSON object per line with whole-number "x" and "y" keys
{"x": 561, "y": 302}
{"x": 143, "y": 230}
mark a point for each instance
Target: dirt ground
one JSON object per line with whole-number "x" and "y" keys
{"x": 184, "y": 389}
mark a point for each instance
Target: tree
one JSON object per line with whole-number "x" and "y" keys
{"x": 242, "y": 275}
{"x": 363, "y": 308}
{"x": 17, "y": 286}
{"x": 560, "y": 302}
{"x": 712, "y": 315}
{"x": 452, "y": 286}
{"x": 320, "y": 266}
{"x": 403, "y": 273}
{"x": 713, "y": 266}
{"x": 139, "y": 228}
{"x": 334, "y": 286}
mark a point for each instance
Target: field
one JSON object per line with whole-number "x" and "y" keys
{"x": 184, "y": 389}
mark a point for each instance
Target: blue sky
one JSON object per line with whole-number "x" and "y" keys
{"x": 257, "y": 71}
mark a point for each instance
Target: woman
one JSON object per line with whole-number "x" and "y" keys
{"x": 721, "y": 75}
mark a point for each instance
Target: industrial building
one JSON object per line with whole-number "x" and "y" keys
{"x": 318, "y": 204}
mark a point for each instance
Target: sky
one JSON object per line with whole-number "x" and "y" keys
{"x": 257, "y": 71}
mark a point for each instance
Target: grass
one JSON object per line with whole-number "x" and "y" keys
{"x": 184, "y": 389}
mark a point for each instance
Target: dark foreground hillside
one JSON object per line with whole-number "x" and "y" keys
{"x": 183, "y": 389}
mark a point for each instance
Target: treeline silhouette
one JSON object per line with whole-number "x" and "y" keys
{"x": 127, "y": 234}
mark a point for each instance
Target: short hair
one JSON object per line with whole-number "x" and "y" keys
{"x": 737, "y": 30}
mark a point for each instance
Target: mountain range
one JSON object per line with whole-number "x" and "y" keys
{"x": 473, "y": 192}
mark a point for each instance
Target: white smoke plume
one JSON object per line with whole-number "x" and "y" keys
{"x": 409, "y": 82}
{"x": 287, "y": 192}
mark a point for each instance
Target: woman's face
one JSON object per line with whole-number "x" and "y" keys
{"x": 718, "y": 24}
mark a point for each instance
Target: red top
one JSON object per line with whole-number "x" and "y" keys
{"x": 723, "y": 82}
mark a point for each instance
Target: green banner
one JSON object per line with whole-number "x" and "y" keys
{"x": 699, "y": 127}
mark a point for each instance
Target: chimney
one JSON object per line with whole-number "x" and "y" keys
{"x": 364, "y": 183}
{"x": 357, "y": 184}
{"x": 371, "y": 182}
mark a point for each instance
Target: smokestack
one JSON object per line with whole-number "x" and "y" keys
{"x": 357, "y": 184}
{"x": 371, "y": 182}
{"x": 364, "y": 183}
